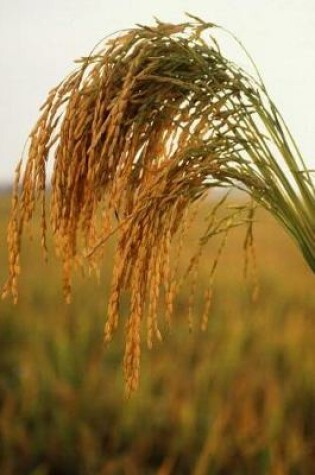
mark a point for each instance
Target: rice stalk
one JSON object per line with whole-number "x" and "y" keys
{"x": 150, "y": 122}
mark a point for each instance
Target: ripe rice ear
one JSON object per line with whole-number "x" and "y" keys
{"x": 150, "y": 122}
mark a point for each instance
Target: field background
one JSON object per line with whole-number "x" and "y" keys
{"x": 236, "y": 399}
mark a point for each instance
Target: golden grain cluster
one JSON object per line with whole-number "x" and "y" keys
{"x": 146, "y": 125}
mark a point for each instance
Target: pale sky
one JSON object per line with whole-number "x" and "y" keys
{"x": 39, "y": 40}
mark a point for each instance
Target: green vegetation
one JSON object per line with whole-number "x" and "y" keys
{"x": 238, "y": 398}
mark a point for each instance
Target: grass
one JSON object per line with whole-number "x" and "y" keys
{"x": 238, "y": 398}
{"x": 139, "y": 133}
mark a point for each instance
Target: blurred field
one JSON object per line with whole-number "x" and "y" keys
{"x": 236, "y": 399}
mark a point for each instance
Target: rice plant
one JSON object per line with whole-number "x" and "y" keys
{"x": 144, "y": 128}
